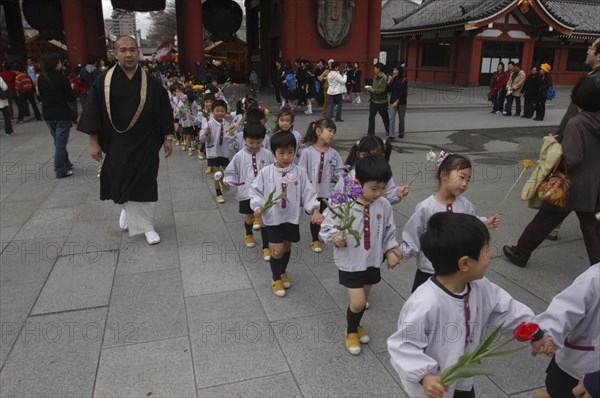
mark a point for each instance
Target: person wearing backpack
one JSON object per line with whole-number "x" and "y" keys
{"x": 289, "y": 85}
{"x": 25, "y": 93}
{"x": 398, "y": 93}
{"x": 545, "y": 84}
{"x": 87, "y": 75}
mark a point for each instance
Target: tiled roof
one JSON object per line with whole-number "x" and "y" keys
{"x": 583, "y": 15}
{"x": 394, "y": 10}
{"x": 437, "y": 13}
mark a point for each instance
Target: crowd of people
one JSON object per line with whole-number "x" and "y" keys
{"x": 280, "y": 174}
{"x": 511, "y": 85}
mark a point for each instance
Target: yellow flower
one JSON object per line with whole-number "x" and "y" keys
{"x": 198, "y": 87}
{"x": 266, "y": 112}
{"x": 526, "y": 164}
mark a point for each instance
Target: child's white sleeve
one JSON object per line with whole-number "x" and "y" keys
{"x": 328, "y": 229}
{"x": 505, "y": 309}
{"x": 411, "y": 234}
{"x": 407, "y": 345}
{"x": 569, "y": 307}
{"x": 309, "y": 195}
{"x": 337, "y": 173}
{"x": 389, "y": 234}
{"x": 257, "y": 191}
{"x": 231, "y": 175}
{"x": 303, "y": 163}
{"x": 235, "y": 144}
{"x": 391, "y": 192}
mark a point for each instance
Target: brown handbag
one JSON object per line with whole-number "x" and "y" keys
{"x": 555, "y": 188}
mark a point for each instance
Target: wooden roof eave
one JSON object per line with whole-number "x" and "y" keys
{"x": 411, "y": 32}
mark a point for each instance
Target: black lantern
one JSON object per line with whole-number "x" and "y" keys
{"x": 222, "y": 18}
{"x": 139, "y": 5}
{"x": 46, "y": 17}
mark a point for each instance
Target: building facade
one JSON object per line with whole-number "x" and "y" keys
{"x": 461, "y": 42}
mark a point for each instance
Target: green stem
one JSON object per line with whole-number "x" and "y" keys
{"x": 493, "y": 349}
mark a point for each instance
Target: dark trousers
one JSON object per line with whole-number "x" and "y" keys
{"x": 23, "y": 107}
{"x": 540, "y": 108}
{"x": 500, "y": 95}
{"x": 321, "y": 96}
{"x": 382, "y": 109}
{"x": 529, "y": 107}
{"x": 277, "y": 93}
{"x": 546, "y": 220}
{"x": 509, "y": 102}
{"x": 60, "y": 132}
{"x": 6, "y": 113}
{"x": 333, "y": 101}
{"x": 301, "y": 95}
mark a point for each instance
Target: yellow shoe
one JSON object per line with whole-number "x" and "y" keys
{"x": 256, "y": 224}
{"x": 183, "y": 147}
{"x": 286, "y": 281}
{"x": 316, "y": 246}
{"x": 209, "y": 169}
{"x": 177, "y": 142}
{"x": 279, "y": 290}
{"x": 353, "y": 343}
{"x": 363, "y": 337}
{"x": 266, "y": 254}
{"x": 220, "y": 199}
{"x": 249, "y": 241}
{"x": 201, "y": 155}
{"x": 190, "y": 152}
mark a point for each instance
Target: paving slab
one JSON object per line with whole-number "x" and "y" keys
{"x": 29, "y": 261}
{"x": 315, "y": 350}
{"x": 192, "y": 199}
{"x": 211, "y": 268}
{"x": 14, "y": 214}
{"x": 270, "y": 386}
{"x": 136, "y": 255}
{"x": 158, "y": 369}
{"x": 70, "y": 194}
{"x": 55, "y": 356}
{"x": 148, "y": 305}
{"x": 92, "y": 237}
{"x": 48, "y": 223}
{"x": 78, "y": 281}
{"x": 231, "y": 338}
{"x": 188, "y": 224}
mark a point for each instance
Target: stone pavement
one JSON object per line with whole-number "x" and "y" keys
{"x": 87, "y": 311}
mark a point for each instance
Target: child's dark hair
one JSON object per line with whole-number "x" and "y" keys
{"x": 286, "y": 111}
{"x": 450, "y": 236}
{"x": 207, "y": 97}
{"x": 239, "y": 107}
{"x": 254, "y": 114}
{"x": 452, "y": 162}
{"x": 368, "y": 144}
{"x": 311, "y": 132}
{"x": 282, "y": 139}
{"x": 172, "y": 88}
{"x": 254, "y": 130}
{"x": 373, "y": 168}
{"x": 218, "y": 103}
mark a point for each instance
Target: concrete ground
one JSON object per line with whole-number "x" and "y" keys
{"x": 87, "y": 311}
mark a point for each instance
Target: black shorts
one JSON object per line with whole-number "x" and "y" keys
{"x": 189, "y": 131}
{"x": 558, "y": 382}
{"x": 176, "y": 120}
{"x": 218, "y": 162}
{"x": 358, "y": 279}
{"x": 283, "y": 232}
{"x": 245, "y": 207}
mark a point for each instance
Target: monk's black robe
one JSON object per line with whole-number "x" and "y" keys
{"x": 130, "y": 167}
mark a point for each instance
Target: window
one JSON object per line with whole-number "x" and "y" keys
{"x": 436, "y": 54}
{"x": 576, "y": 59}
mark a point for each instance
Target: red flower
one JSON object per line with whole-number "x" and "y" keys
{"x": 525, "y": 331}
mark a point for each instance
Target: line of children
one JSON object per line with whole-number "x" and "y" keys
{"x": 240, "y": 173}
{"x": 282, "y": 219}
{"x": 202, "y": 120}
{"x": 457, "y": 296}
{"x": 359, "y": 266}
{"x": 454, "y": 176}
{"x": 323, "y": 164}
{"x": 217, "y": 133}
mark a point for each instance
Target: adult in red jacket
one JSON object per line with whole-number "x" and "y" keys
{"x": 498, "y": 88}
{"x": 9, "y": 78}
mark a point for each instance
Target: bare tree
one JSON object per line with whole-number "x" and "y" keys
{"x": 164, "y": 24}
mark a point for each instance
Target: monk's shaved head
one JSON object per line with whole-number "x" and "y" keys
{"x": 124, "y": 40}
{"x": 127, "y": 53}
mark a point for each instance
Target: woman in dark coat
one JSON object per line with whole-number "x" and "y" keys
{"x": 545, "y": 84}
{"x": 349, "y": 72}
{"x": 311, "y": 91}
{"x": 580, "y": 143}
{"x": 398, "y": 87}
{"x": 357, "y": 83}
{"x": 531, "y": 89}
{"x": 56, "y": 92}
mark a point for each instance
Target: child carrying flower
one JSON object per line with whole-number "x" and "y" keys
{"x": 285, "y": 122}
{"x": 457, "y": 296}
{"x": 283, "y": 218}
{"x": 454, "y": 176}
{"x": 323, "y": 164}
{"x": 240, "y": 173}
{"x": 372, "y": 237}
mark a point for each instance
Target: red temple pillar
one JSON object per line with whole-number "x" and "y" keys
{"x": 72, "y": 11}
{"x": 373, "y": 35}
{"x": 288, "y": 45}
{"x": 475, "y": 64}
{"x": 93, "y": 21}
{"x": 189, "y": 34}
